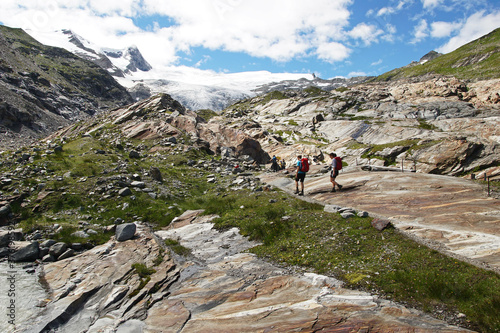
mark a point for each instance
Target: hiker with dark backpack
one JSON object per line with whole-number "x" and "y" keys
{"x": 274, "y": 164}
{"x": 335, "y": 167}
{"x": 300, "y": 175}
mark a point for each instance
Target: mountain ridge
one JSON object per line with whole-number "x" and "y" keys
{"x": 477, "y": 60}
{"x": 43, "y": 88}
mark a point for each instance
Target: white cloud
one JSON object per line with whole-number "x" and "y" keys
{"x": 386, "y": 11}
{"x": 354, "y": 74}
{"x": 444, "y": 29}
{"x": 394, "y": 9}
{"x": 367, "y": 33}
{"x": 332, "y": 52}
{"x": 376, "y": 63}
{"x": 391, "y": 31}
{"x": 477, "y": 25}
{"x": 278, "y": 29}
{"x": 420, "y": 32}
{"x": 431, "y": 3}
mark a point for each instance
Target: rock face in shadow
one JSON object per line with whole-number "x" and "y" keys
{"x": 216, "y": 288}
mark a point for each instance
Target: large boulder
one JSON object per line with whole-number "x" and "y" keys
{"x": 26, "y": 252}
{"x": 5, "y": 211}
{"x": 125, "y": 231}
{"x": 7, "y": 236}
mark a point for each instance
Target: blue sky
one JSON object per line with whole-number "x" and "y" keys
{"x": 327, "y": 37}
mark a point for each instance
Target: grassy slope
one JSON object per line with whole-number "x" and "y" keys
{"x": 450, "y": 63}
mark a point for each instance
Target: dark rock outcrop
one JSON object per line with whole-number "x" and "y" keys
{"x": 125, "y": 231}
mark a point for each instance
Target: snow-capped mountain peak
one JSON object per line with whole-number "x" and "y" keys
{"x": 119, "y": 62}
{"x": 195, "y": 88}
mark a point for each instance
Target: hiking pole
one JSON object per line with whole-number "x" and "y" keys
{"x": 489, "y": 194}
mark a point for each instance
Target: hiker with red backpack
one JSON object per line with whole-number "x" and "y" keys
{"x": 335, "y": 167}
{"x": 300, "y": 175}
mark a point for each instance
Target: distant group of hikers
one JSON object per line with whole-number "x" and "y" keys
{"x": 302, "y": 167}
{"x": 277, "y": 166}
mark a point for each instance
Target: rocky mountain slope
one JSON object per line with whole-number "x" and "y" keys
{"x": 43, "y": 88}
{"x": 433, "y": 124}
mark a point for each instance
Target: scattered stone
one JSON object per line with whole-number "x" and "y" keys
{"x": 138, "y": 184}
{"x": 125, "y": 192}
{"x": 134, "y": 154}
{"x": 57, "y": 249}
{"x": 4, "y": 252}
{"x": 43, "y": 251}
{"x": 7, "y": 236}
{"x": 110, "y": 228}
{"x": 347, "y": 214}
{"x": 80, "y": 234}
{"x": 48, "y": 243}
{"x": 67, "y": 254}
{"x": 332, "y": 208}
{"x": 380, "y": 224}
{"x": 156, "y": 174}
{"x": 26, "y": 252}
{"x": 77, "y": 246}
{"x": 36, "y": 236}
{"x": 5, "y": 210}
{"x": 48, "y": 258}
{"x": 125, "y": 231}
{"x": 363, "y": 214}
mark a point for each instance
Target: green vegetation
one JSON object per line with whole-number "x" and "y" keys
{"x": 342, "y": 89}
{"x": 479, "y": 59}
{"x": 272, "y": 96}
{"x": 145, "y": 276}
{"x": 315, "y": 91}
{"x": 177, "y": 247}
{"x": 207, "y": 114}
{"x": 72, "y": 187}
{"x": 423, "y": 124}
{"x": 410, "y": 146}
